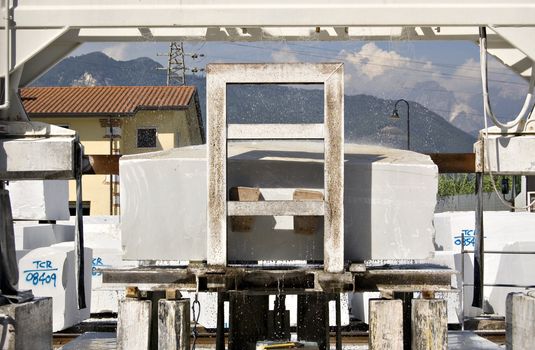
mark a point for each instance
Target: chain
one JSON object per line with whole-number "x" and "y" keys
{"x": 196, "y": 315}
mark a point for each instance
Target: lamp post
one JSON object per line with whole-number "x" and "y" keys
{"x": 395, "y": 115}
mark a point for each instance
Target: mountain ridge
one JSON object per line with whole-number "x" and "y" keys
{"x": 366, "y": 117}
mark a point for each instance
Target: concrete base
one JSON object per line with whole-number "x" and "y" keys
{"x": 429, "y": 323}
{"x": 134, "y": 324}
{"x": 26, "y": 326}
{"x": 174, "y": 324}
{"x": 520, "y": 321}
{"x": 386, "y": 325}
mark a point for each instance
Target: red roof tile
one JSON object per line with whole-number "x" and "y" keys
{"x": 91, "y": 100}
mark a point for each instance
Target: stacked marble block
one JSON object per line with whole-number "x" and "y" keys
{"x": 45, "y": 252}
{"x": 103, "y": 235}
{"x": 390, "y": 197}
{"x": 503, "y": 231}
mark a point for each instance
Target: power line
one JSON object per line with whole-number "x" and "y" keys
{"x": 176, "y": 65}
{"x": 307, "y": 53}
{"x": 439, "y": 64}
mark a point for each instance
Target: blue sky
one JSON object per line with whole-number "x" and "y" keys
{"x": 442, "y": 75}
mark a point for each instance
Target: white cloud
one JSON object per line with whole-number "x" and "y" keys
{"x": 373, "y": 61}
{"x": 448, "y": 90}
{"x": 119, "y": 52}
{"x": 284, "y": 56}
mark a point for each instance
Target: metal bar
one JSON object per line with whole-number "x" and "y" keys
{"x": 110, "y": 174}
{"x": 333, "y": 237}
{"x": 273, "y": 73}
{"x": 220, "y": 330}
{"x": 462, "y": 281}
{"x": 507, "y": 285}
{"x": 479, "y": 245}
{"x": 274, "y": 131}
{"x": 276, "y": 208}
{"x": 79, "y": 231}
{"x": 217, "y": 168}
{"x": 5, "y": 105}
{"x": 499, "y": 252}
{"x": 338, "y": 323}
{"x": 454, "y": 162}
{"x": 190, "y": 13}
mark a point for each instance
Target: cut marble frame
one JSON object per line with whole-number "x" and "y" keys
{"x": 332, "y": 132}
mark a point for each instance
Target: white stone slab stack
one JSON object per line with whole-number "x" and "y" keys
{"x": 49, "y": 271}
{"x": 32, "y": 235}
{"x": 39, "y": 199}
{"x": 389, "y": 202}
{"x": 504, "y": 231}
{"x": 103, "y": 235}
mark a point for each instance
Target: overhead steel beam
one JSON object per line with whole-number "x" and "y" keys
{"x": 254, "y": 13}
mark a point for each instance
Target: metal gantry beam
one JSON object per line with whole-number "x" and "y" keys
{"x": 254, "y": 13}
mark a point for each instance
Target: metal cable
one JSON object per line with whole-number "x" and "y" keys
{"x": 196, "y": 315}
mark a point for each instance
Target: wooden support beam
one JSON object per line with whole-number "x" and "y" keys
{"x": 101, "y": 164}
{"x": 446, "y": 162}
{"x": 454, "y": 162}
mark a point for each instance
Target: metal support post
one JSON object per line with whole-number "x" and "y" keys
{"x": 248, "y": 320}
{"x": 479, "y": 249}
{"x": 338, "y": 322}
{"x": 313, "y": 318}
{"x": 220, "y": 332}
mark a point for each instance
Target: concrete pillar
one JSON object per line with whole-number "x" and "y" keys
{"x": 386, "y": 324}
{"x": 313, "y": 319}
{"x": 520, "y": 321}
{"x": 134, "y": 324}
{"x": 174, "y": 324}
{"x": 429, "y": 324}
{"x": 248, "y": 320}
{"x": 26, "y": 326}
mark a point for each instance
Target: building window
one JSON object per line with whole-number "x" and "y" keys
{"x": 146, "y": 138}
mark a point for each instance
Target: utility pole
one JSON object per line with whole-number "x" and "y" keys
{"x": 176, "y": 66}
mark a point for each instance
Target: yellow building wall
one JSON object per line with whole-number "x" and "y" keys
{"x": 175, "y": 128}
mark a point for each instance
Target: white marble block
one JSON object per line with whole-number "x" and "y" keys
{"x": 34, "y": 235}
{"x": 103, "y": 235}
{"x": 39, "y": 199}
{"x": 390, "y": 197}
{"x": 504, "y": 232}
{"x": 49, "y": 271}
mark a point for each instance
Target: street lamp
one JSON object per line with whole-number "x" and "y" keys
{"x": 395, "y": 115}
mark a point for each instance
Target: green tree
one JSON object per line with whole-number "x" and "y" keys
{"x": 455, "y": 184}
